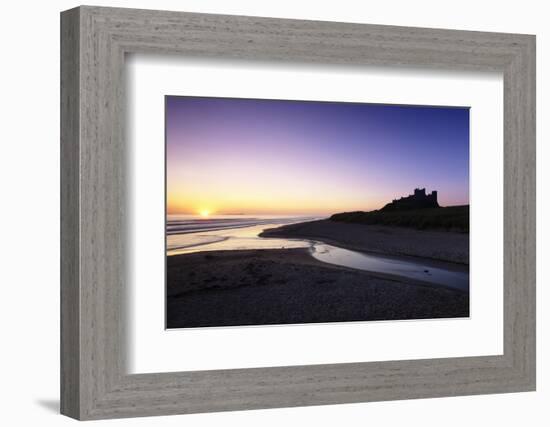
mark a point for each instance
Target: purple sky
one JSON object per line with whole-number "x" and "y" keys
{"x": 290, "y": 157}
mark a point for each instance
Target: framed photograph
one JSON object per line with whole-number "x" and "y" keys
{"x": 266, "y": 220}
{"x": 262, "y": 213}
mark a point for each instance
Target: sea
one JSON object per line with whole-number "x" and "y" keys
{"x": 192, "y": 233}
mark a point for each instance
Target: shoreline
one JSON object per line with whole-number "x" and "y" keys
{"x": 285, "y": 286}
{"x": 439, "y": 246}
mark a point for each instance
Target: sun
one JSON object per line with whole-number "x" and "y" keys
{"x": 205, "y": 213}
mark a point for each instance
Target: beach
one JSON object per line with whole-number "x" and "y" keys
{"x": 282, "y": 286}
{"x": 395, "y": 241}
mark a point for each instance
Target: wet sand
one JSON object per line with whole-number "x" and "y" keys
{"x": 436, "y": 245}
{"x": 281, "y": 286}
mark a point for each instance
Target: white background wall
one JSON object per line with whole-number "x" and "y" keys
{"x": 29, "y": 212}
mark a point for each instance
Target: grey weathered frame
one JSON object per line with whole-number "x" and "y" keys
{"x": 94, "y": 41}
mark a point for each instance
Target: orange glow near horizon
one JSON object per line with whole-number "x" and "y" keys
{"x": 230, "y": 185}
{"x": 248, "y": 202}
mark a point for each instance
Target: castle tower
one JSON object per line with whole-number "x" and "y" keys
{"x": 420, "y": 192}
{"x": 434, "y": 196}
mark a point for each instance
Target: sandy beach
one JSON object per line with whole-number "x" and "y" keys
{"x": 281, "y": 286}
{"x": 396, "y": 241}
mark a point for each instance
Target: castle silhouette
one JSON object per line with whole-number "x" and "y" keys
{"x": 418, "y": 200}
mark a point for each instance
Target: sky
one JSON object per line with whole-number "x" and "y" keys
{"x": 252, "y": 156}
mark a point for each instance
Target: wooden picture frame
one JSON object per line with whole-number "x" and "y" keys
{"x": 94, "y": 382}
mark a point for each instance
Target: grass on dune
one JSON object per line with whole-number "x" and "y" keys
{"x": 451, "y": 218}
